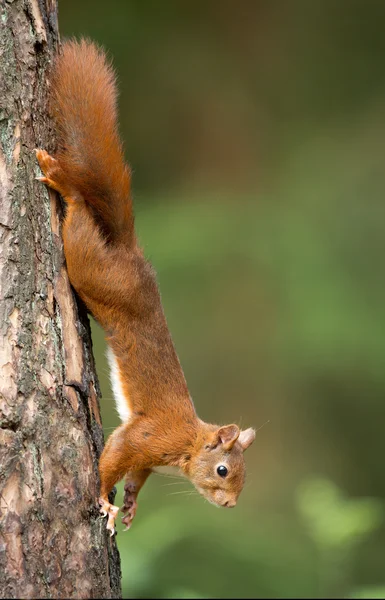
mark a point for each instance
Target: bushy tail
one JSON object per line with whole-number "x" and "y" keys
{"x": 84, "y": 108}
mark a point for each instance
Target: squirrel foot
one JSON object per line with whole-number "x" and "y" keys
{"x": 111, "y": 511}
{"x": 54, "y": 175}
{"x": 129, "y": 507}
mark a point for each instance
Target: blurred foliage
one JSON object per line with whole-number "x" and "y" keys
{"x": 369, "y": 592}
{"x": 333, "y": 521}
{"x": 255, "y": 130}
{"x": 336, "y": 526}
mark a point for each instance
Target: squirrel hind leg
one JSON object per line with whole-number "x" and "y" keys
{"x": 54, "y": 176}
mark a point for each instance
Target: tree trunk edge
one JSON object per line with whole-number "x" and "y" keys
{"x": 53, "y": 542}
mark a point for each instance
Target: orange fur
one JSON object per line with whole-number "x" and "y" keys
{"x": 109, "y": 272}
{"x": 82, "y": 73}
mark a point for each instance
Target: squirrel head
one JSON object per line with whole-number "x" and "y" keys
{"x": 217, "y": 468}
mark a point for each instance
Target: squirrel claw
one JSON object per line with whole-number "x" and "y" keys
{"x": 111, "y": 511}
{"x": 54, "y": 176}
{"x": 127, "y": 521}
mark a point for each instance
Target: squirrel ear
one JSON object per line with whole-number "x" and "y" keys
{"x": 228, "y": 435}
{"x": 246, "y": 438}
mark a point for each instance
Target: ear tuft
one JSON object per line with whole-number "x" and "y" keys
{"x": 228, "y": 435}
{"x": 246, "y": 438}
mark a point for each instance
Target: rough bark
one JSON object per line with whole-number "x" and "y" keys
{"x": 53, "y": 542}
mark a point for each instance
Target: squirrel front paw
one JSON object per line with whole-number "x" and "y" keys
{"x": 129, "y": 507}
{"x": 111, "y": 511}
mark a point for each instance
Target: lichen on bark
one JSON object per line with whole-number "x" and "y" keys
{"x": 52, "y": 540}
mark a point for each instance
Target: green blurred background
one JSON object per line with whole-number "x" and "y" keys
{"x": 255, "y": 131}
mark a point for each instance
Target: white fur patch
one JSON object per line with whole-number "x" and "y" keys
{"x": 122, "y": 405}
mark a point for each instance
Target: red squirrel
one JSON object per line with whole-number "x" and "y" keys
{"x": 108, "y": 270}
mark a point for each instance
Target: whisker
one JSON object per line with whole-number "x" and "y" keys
{"x": 266, "y": 422}
{"x": 168, "y": 475}
{"x": 174, "y": 483}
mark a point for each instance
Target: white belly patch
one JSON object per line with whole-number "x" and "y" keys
{"x": 120, "y": 400}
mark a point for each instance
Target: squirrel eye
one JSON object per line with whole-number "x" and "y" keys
{"x": 222, "y": 471}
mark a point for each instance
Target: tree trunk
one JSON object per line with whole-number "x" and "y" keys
{"x": 53, "y": 542}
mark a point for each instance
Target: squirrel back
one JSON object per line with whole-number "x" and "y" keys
{"x": 83, "y": 105}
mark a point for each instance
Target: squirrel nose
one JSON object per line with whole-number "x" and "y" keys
{"x": 230, "y": 503}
